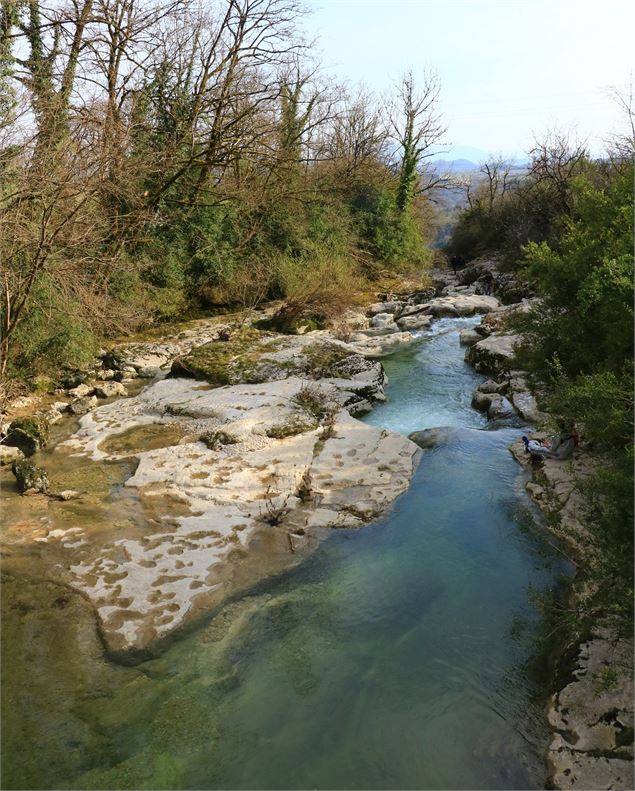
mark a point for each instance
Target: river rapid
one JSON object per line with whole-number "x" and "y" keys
{"x": 396, "y": 656}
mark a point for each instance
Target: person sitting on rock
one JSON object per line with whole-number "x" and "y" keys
{"x": 561, "y": 447}
{"x": 565, "y": 442}
{"x": 537, "y": 448}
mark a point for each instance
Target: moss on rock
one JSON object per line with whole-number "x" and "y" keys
{"x": 224, "y": 362}
{"x": 292, "y": 427}
{"x": 323, "y": 360}
{"x": 216, "y": 439}
{"x": 30, "y": 434}
{"x": 250, "y": 356}
{"x": 30, "y": 479}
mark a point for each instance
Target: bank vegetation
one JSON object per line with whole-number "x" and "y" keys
{"x": 564, "y": 229}
{"x": 159, "y": 158}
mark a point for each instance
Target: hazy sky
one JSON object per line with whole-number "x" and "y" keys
{"x": 508, "y": 68}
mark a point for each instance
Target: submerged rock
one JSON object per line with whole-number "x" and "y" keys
{"x": 68, "y": 494}
{"x": 431, "y": 437}
{"x": 489, "y": 386}
{"x": 30, "y": 479}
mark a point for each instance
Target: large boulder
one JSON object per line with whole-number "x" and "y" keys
{"x": 30, "y": 434}
{"x": 412, "y": 310}
{"x": 490, "y": 386}
{"x": 462, "y": 305}
{"x": 526, "y": 406}
{"x": 373, "y": 344}
{"x": 510, "y": 290}
{"x": 469, "y": 337}
{"x": 494, "y": 355}
{"x": 476, "y": 270}
{"x": 384, "y": 322}
{"x": 415, "y": 322}
{"x": 500, "y": 408}
{"x": 389, "y": 306}
{"x": 481, "y": 401}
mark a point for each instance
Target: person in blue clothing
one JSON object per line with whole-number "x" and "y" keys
{"x": 561, "y": 447}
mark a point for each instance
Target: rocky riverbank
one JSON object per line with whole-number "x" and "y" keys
{"x": 225, "y": 453}
{"x": 591, "y": 717}
{"x": 237, "y": 452}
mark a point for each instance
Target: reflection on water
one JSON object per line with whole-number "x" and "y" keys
{"x": 390, "y": 659}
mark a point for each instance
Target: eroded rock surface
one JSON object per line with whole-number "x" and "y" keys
{"x": 294, "y": 465}
{"x": 231, "y": 473}
{"x": 593, "y": 718}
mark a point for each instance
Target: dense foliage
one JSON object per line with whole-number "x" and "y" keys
{"x": 568, "y": 233}
{"x": 158, "y": 158}
{"x": 578, "y": 344}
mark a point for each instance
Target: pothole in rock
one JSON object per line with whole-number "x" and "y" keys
{"x": 139, "y": 439}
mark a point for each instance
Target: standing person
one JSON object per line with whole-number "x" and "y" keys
{"x": 488, "y": 283}
{"x": 454, "y": 263}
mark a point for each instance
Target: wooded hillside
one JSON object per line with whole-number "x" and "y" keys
{"x": 157, "y": 157}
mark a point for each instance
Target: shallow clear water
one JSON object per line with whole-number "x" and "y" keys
{"x": 395, "y": 657}
{"x": 429, "y": 383}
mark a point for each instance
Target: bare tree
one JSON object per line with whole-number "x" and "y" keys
{"x": 491, "y": 185}
{"x": 416, "y": 127}
{"x": 356, "y": 137}
{"x": 622, "y": 144}
{"x": 556, "y": 161}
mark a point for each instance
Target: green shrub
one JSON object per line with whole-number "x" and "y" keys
{"x": 51, "y": 335}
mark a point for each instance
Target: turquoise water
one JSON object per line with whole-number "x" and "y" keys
{"x": 395, "y": 657}
{"x": 430, "y": 384}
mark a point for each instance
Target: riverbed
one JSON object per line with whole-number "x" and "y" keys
{"x": 396, "y": 656}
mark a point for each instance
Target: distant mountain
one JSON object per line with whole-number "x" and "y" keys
{"x": 452, "y": 153}
{"x": 477, "y": 155}
{"x": 454, "y": 165}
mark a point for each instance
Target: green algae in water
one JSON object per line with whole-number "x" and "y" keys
{"x": 139, "y": 439}
{"x": 390, "y": 659}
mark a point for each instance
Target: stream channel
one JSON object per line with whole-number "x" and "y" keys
{"x": 397, "y": 656}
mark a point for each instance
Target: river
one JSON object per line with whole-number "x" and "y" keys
{"x": 396, "y": 656}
